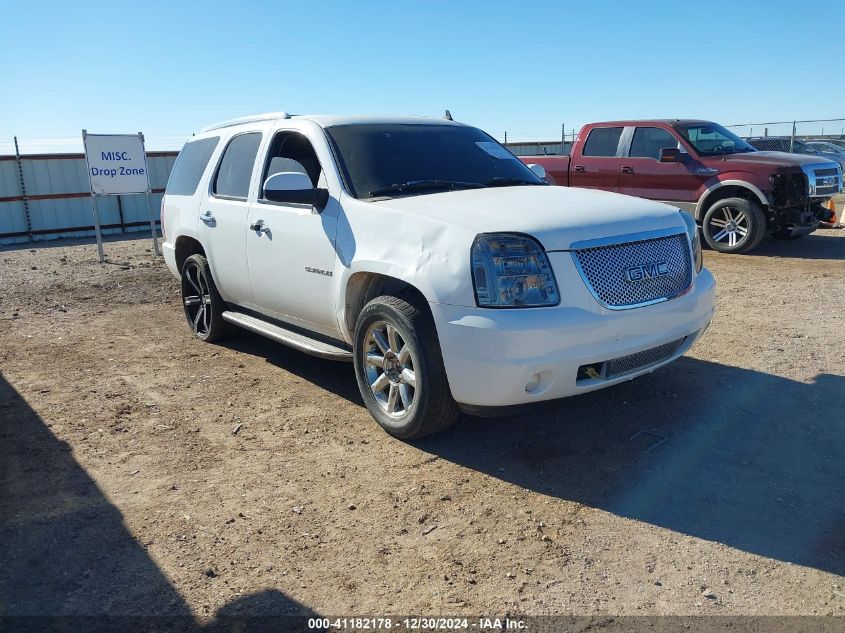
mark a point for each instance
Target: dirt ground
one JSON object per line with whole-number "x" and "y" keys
{"x": 144, "y": 472}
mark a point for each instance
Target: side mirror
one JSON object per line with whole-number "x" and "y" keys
{"x": 295, "y": 188}
{"x": 538, "y": 170}
{"x": 671, "y": 155}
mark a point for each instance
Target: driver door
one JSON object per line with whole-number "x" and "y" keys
{"x": 643, "y": 175}
{"x": 290, "y": 247}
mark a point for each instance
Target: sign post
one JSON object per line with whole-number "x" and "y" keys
{"x": 117, "y": 165}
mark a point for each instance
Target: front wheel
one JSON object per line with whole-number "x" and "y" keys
{"x": 734, "y": 225}
{"x": 399, "y": 369}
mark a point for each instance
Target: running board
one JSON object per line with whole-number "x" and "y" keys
{"x": 287, "y": 337}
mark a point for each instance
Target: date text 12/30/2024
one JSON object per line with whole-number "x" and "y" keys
{"x": 417, "y": 624}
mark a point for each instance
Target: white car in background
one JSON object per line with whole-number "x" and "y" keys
{"x": 424, "y": 251}
{"x": 828, "y": 150}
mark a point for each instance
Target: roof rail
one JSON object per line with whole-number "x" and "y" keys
{"x": 267, "y": 116}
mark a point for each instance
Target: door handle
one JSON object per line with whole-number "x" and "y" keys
{"x": 207, "y": 217}
{"x": 626, "y": 169}
{"x": 259, "y": 227}
{"x": 578, "y": 168}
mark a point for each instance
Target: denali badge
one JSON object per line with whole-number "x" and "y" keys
{"x": 318, "y": 271}
{"x": 646, "y": 271}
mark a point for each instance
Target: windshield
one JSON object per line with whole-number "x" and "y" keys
{"x": 710, "y": 139}
{"x": 410, "y": 159}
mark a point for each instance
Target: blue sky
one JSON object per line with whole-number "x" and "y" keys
{"x": 168, "y": 68}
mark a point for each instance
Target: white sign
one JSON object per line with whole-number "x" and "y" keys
{"x": 117, "y": 163}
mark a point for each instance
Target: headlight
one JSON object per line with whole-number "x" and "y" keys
{"x": 511, "y": 271}
{"x": 694, "y": 239}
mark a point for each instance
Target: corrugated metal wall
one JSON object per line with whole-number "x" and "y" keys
{"x": 58, "y": 201}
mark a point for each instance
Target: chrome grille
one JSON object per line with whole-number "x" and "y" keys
{"x": 634, "y": 362}
{"x": 605, "y": 270}
{"x": 827, "y": 181}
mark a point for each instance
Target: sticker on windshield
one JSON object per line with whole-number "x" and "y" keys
{"x": 494, "y": 149}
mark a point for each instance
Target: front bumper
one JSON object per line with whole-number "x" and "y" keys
{"x": 499, "y": 358}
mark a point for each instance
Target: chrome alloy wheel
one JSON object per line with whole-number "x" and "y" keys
{"x": 729, "y": 225}
{"x": 389, "y": 365}
{"x": 196, "y": 297}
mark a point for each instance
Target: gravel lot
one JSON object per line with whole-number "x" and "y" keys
{"x": 146, "y": 473}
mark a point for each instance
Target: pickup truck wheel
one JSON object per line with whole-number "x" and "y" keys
{"x": 399, "y": 369}
{"x": 734, "y": 225}
{"x": 203, "y": 304}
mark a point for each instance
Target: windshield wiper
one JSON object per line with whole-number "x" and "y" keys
{"x": 503, "y": 181}
{"x": 414, "y": 185}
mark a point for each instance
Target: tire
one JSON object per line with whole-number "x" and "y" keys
{"x": 404, "y": 389}
{"x": 739, "y": 225}
{"x": 203, "y": 305}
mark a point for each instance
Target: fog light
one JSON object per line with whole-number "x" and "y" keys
{"x": 532, "y": 384}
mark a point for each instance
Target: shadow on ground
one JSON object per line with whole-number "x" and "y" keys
{"x": 333, "y": 376}
{"x": 823, "y": 244}
{"x": 67, "y": 554}
{"x": 112, "y": 238}
{"x": 740, "y": 457}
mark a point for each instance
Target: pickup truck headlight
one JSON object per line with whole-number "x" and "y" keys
{"x": 694, "y": 239}
{"x": 512, "y": 271}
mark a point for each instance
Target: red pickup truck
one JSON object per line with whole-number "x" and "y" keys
{"x": 736, "y": 193}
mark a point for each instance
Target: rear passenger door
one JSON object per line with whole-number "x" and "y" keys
{"x": 595, "y": 162}
{"x": 223, "y": 217}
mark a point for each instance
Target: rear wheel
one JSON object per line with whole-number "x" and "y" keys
{"x": 203, "y": 305}
{"x": 734, "y": 225}
{"x": 399, "y": 369}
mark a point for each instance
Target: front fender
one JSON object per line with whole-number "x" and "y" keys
{"x": 427, "y": 253}
{"x": 729, "y": 180}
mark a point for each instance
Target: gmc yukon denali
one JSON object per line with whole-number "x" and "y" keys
{"x": 736, "y": 193}
{"x": 426, "y": 253}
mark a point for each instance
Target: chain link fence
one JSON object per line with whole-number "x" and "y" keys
{"x": 783, "y": 136}
{"x": 824, "y": 138}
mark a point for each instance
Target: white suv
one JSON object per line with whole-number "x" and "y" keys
{"x": 425, "y": 252}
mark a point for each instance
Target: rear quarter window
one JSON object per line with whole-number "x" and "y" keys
{"x": 190, "y": 166}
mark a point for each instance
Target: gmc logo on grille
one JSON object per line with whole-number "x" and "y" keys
{"x": 646, "y": 271}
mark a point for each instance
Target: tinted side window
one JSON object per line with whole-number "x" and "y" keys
{"x": 235, "y": 170}
{"x": 602, "y": 141}
{"x": 189, "y": 166}
{"x": 648, "y": 141}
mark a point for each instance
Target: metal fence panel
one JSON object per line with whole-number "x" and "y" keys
{"x": 135, "y": 209}
{"x": 159, "y": 168}
{"x": 10, "y": 183}
{"x": 13, "y": 220}
{"x": 58, "y": 198}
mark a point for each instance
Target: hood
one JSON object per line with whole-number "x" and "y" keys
{"x": 775, "y": 159}
{"x": 556, "y": 216}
